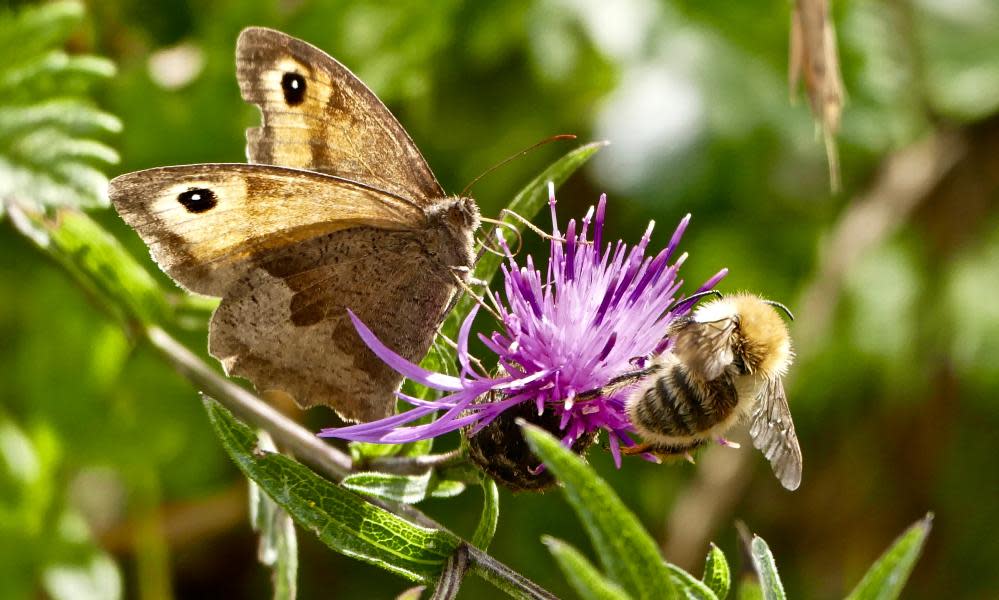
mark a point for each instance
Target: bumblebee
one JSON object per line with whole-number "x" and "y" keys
{"x": 726, "y": 364}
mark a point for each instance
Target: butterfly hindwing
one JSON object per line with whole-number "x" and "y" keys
{"x": 284, "y": 324}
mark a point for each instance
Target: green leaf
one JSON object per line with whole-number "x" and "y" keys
{"x": 749, "y": 588}
{"x": 46, "y": 119}
{"x": 278, "y": 546}
{"x": 531, "y": 199}
{"x": 628, "y": 554}
{"x": 363, "y": 451}
{"x": 716, "y": 572}
{"x": 766, "y": 569}
{"x": 97, "y": 261}
{"x": 689, "y": 586}
{"x": 588, "y": 582}
{"x": 486, "y": 528}
{"x": 398, "y": 488}
{"x": 447, "y": 488}
{"x": 339, "y": 518}
{"x": 887, "y": 576}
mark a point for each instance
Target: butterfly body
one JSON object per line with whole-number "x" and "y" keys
{"x": 337, "y": 210}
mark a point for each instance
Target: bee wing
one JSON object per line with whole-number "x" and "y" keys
{"x": 773, "y": 434}
{"x": 706, "y": 348}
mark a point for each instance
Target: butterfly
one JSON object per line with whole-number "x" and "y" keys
{"x": 336, "y": 210}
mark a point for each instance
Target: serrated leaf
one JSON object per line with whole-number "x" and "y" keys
{"x": 531, "y": 199}
{"x": 588, "y": 582}
{"x": 489, "y": 518}
{"x": 717, "y": 575}
{"x": 888, "y": 575}
{"x": 628, "y": 554}
{"x": 339, "y": 518}
{"x": 398, "y": 488}
{"x": 766, "y": 569}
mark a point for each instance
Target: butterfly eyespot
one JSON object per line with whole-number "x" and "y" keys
{"x": 293, "y": 86}
{"x": 198, "y": 200}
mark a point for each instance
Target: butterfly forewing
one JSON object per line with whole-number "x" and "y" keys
{"x": 203, "y": 222}
{"x": 317, "y": 115}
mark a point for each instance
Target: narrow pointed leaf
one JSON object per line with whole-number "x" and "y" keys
{"x": 627, "y": 553}
{"x": 339, "y": 518}
{"x": 887, "y": 576}
{"x": 688, "y": 586}
{"x": 588, "y": 582}
{"x": 486, "y": 528}
{"x": 717, "y": 575}
{"x": 766, "y": 569}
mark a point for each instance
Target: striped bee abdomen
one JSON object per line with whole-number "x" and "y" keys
{"x": 676, "y": 403}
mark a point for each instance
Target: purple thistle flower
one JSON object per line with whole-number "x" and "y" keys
{"x": 563, "y": 332}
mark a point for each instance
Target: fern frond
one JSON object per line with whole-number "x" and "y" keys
{"x": 50, "y": 151}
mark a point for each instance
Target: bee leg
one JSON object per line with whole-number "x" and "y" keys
{"x": 637, "y": 449}
{"x": 680, "y": 451}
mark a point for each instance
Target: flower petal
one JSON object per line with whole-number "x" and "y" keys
{"x": 437, "y": 381}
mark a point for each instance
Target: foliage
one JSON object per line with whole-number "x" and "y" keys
{"x": 636, "y": 570}
{"x": 887, "y": 576}
{"x": 341, "y": 520}
{"x": 894, "y": 387}
{"x": 47, "y": 152}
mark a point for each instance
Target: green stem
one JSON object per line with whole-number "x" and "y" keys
{"x": 324, "y": 458}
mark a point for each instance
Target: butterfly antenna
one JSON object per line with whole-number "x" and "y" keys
{"x": 554, "y": 138}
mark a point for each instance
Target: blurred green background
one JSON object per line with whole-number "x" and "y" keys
{"x": 893, "y": 282}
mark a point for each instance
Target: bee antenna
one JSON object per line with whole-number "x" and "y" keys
{"x": 787, "y": 311}
{"x": 554, "y": 138}
{"x": 693, "y": 299}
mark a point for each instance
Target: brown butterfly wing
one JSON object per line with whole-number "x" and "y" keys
{"x": 284, "y": 325}
{"x": 203, "y": 223}
{"x": 317, "y": 115}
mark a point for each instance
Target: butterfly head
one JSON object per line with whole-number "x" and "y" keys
{"x": 460, "y": 215}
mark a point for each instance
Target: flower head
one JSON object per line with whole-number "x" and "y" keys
{"x": 563, "y": 331}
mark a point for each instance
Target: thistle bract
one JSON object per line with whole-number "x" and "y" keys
{"x": 563, "y": 330}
